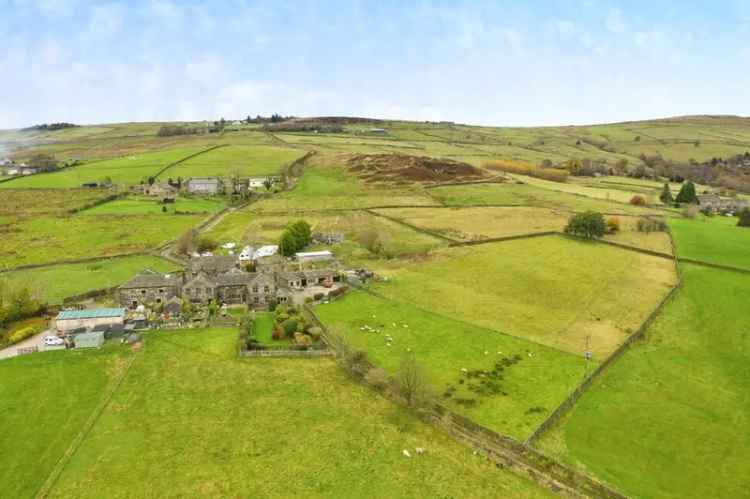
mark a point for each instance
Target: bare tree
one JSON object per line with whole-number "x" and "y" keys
{"x": 412, "y": 382}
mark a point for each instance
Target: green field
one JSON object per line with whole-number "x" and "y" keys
{"x": 244, "y": 161}
{"x": 530, "y": 389}
{"x": 44, "y": 400}
{"x": 54, "y": 239}
{"x": 551, "y": 290}
{"x": 154, "y": 206}
{"x": 713, "y": 240}
{"x": 52, "y": 284}
{"x": 128, "y": 170}
{"x": 191, "y": 419}
{"x": 670, "y": 419}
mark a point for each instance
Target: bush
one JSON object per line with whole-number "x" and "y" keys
{"x": 315, "y": 332}
{"x": 377, "y": 378}
{"x": 289, "y": 327}
{"x": 613, "y": 225}
{"x": 356, "y": 363}
{"x": 648, "y": 225}
{"x": 588, "y": 225}
{"x": 690, "y": 212}
{"x": 744, "y": 218}
{"x": 638, "y": 200}
{"x": 318, "y": 296}
{"x": 22, "y": 334}
{"x": 206, "y": 243}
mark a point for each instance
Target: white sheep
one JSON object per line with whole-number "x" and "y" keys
{"x": 406, "y": 453}
{"x": 419, "y": 450}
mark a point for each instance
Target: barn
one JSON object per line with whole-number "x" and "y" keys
{"x": 68, "y": 320}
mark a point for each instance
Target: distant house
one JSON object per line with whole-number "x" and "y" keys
{"x": 29, "y": 170}
{"x": 204, "y": 185}
{"x": 149, "y": 287}
{"x": 716, "y": 203}
{"x": 68, "y": 320}
{"x": 159, "y": 189}
{"x": 314, "y": 256}
{"x": 377, "y": 131}
{"x": 13, "y": 170}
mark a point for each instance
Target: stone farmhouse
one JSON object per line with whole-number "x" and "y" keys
{"x": 204, "y": 185}
{"x": 159, "y": 189}
{"x": 220, "y": 278}
{"x": 716, "y": 203}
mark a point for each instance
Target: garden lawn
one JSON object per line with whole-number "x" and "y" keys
{"x": 54, "y": 283}
{"x": 263, "y": 328}
{"x": 45, "y": 399}
{"x": 670, "y": 418}
{"x": 245, "y": 161}
{"x": 713, "y": 240}
{"x": 51, "y": 239}
{"x": 127, "y": 170}
{"x": 154, "y": 206}
{"x": 191, "y": 419}
{"x": 551, "y": 290}
{"x": 468, "y": 224}
{"x": 531, "y": 388}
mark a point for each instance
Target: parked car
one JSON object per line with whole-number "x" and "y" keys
{"x": 53, "y": 341}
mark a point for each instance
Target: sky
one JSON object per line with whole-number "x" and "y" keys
{"x": 518, "y": 63}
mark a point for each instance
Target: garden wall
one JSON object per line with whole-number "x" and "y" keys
{"x": 287, "y": 353}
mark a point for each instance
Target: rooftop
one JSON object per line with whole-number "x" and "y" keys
{"x": 95, "y": 313}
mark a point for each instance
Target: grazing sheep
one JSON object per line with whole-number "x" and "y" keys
{"x": 419, "y": 450}
{"x": 406, "y": 453}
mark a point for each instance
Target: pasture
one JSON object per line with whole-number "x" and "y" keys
{"x": 128, "y": 170}
{"x": 153, "y": 206}
{"x": 552, "y": 290}
{"x": 191, "y": 419}
{"x": 712, "y": 239}
{"x": 54, "y": 283}
{"x": 535, "y": 378}
{"x": 668, "y": 420}
{"x": 25, "y": 203}
{"x": 54, "y": 239}
{"x": 241, "y": 160}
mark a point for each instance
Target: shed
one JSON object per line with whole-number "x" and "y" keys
{"x": 68, "y": 320}
{"x": 314, "y": 256}
{"x": 94, "y": 339}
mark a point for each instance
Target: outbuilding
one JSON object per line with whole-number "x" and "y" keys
{"x": 94, "y": 339}
{"x": 68, "y": 320}
{"x": 314, "y": 256}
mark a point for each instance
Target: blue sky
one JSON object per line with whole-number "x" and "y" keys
{"x": 496, "y": 63}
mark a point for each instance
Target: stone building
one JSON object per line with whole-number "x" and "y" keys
{"x": 149, "y": 287}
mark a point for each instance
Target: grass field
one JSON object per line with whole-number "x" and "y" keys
{"x": 127, "y": 170}
{"x": 245, "y": 161}
{"x": 551, "y": 290}
{"x": 606, "y": 193}
{"x": 333, "y": 188}
{"x": 191, "y": 419}
{"x": 669, "y": 419}
{"x": 531, "y": 388}
{"x": 630, "y": 236}
{"x": 51, "y": 239}
{"x": 153, "y": 206}
{"x": 712, "y": 239}
{"x": 468, "y": 224}
{"x": 52, "y": 284}
{"x": 44, "y": 401}
{"x": 24, "y": 203}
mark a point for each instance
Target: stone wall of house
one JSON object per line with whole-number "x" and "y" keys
{"x": 144, "y": 296}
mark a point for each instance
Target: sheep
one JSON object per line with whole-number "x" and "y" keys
{"x": 406, "y": 453}
{"x": 419, "y": 450}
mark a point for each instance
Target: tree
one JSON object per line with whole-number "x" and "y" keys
{"x": 638, "y": 200}
{"x": 588, "y": 225}
{"x": 744, "y": 218}
{"x": 295, "y": 237}
{"x": 267, "y": 184}
{"x": 687, "y": 193}
{"x": 666, "y": 195}
{"x": 412, "y": 382}
{"x": 186, "y": 243}
{"x": 151, "y": 180}
{"x": 206, "y": 243}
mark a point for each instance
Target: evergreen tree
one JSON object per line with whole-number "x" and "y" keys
{"x": 687, "y": 194}
{"x": 666, "y": 195}
{"x": 744, "y": 218}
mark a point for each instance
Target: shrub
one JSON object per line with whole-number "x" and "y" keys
{"x": 613, "y": 225}
{"x": 22, "y": 334}
{"x": 744, "y": 218}
{"x": 648, "y": 225}
{"x": 638, "y": 200}
{"x": 666, "y": 195}
{"x": 276, "y": 335}
{"x": 318, "y": 296}
{"x": 206, "y": 243}
{"x": 588, "y": 225}
{"x": 377, "y": 378}
{"x": 315, "y": 332}
{"x": 289, "y": 327}
{"x": 687, "y": 194}
{"x": 690, "y": 212}
{"x": 356, "y": 363}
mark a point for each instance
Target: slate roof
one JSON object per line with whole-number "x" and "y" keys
{"x": 213, "y": 264}
{"x": 151, "y": 279}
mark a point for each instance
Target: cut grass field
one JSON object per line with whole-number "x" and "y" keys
{"x": 712, "y": 239}
{"x": 55, "y": 239}
{"x": 608, "y": 194}
{"x": 127, "y": 170}
{"x": 154, "y": 206}
{"x": 551, "y": 290}
{"x": 469, "y": 224}
{"x": 670, "y": 419}
{"x": 191, "y": 419}
{"x": 530, "y": 389}
{"x": 630, "y": 236}
{"x": 245, "y": 161}
{"x": 44, "y": 401}
{"x": 25, "y": 202}
{"x": 53, "y": 284}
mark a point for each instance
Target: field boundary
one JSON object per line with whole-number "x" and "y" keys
{"x": 505, "y": 451}
{"x": 412, "y": 227}
{"x": 714, "y": 265}
{"x": 74, "y": 261}
{"x": 640, "y": 333}
{"x": 88, "y": 425}
{"x": 186, "y": 158}
{"x": 529, "y": 235}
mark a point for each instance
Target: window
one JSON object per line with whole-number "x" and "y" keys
{"x": 161, "y": 291}
{"x": 266, "y": 289}
{"x": 255, "y": 289}
{"x": 256, "y": 299}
